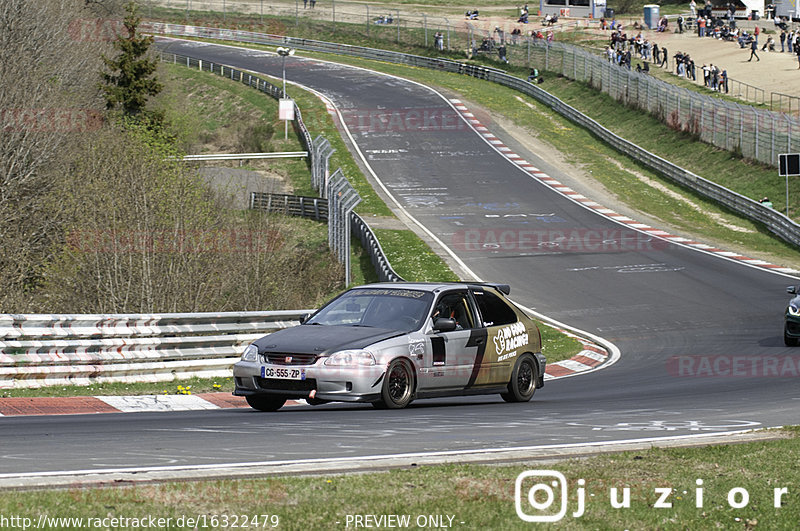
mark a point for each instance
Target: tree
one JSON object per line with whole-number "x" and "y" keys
{"x": 48, "y": 101}
{"x": 131, "y": 79}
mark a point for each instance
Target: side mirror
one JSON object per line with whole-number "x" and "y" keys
{"x": 791, "y": 290}
{"x": 444, "y": 324}
{"x": 305, "y": 317}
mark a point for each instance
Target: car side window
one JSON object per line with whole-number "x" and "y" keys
{"x": 455, "y": 306}
{"x": 494, "y": 310}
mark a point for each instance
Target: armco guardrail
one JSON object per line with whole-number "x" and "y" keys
{"x": 370, "y": 242}
{"x": 776, "y": 222}
{"x": 40, "y": 350}
{"x": 247, "y": 156}
{"x": 291, "y": 205}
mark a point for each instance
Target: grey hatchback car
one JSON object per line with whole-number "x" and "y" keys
{"x": 391, "y": 343}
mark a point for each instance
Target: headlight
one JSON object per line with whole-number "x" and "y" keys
{"x": 794, "y": 310}
{"x": 351, "y": 358}
{"x": 250, "y": 353}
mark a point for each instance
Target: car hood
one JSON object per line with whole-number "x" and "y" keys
{"x": 322, "y": 340}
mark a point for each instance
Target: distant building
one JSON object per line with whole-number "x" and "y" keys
{"x": 574, "y": 8}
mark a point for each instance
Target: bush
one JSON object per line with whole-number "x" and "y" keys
{"x": 256, "y": 138}
{"x": 146, "y": 235}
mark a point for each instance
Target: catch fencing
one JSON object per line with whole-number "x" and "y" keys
{"x": 370, "y": 242}
{"x": 317, "y": 209}
{"x": 756, "y": 133}
{"x": 41, "y": 350}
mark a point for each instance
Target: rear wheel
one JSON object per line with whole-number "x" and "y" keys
{"x": 266, "y": 402}
{"x": 398, "y": 386}
{"x": 788, "y": 340}
{"x": 523, "y": 380}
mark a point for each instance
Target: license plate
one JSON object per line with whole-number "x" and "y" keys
{"x": 283, "y": 373}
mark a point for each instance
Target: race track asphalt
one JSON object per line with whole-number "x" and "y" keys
{"x": 670, "y": 310}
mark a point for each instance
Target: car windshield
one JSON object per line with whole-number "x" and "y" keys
{"x": 395, "y": 309}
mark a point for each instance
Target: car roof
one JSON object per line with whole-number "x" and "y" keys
{"x": 435, "y": 286}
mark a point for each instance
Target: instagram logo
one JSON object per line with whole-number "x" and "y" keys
{"x": 535, "y": 502}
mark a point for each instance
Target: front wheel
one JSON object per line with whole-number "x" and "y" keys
{"x": 266, "y": 402}
{"x": 398, "y": 386}
{"x": 523, "y": 381}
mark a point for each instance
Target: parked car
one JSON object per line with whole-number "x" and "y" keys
{"x": 791, "y": 327}
{"x": 391, "y": 343}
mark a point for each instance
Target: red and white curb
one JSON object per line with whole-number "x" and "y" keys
{"x": 590, "y": 357}
{"x": 80, "y": 405}
{"x": 568, "y": 192}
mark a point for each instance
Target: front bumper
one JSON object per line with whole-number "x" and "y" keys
{"x": 792, "y": 325}
{"x": 341, "y": 384}
{"x": 541, "y": 361}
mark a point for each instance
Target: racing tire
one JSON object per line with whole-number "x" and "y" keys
{"x": 266, "y": 402}
{"x": 788, "y": 340}
{"x": 522, "y": 385}
{"x": 397, "y": 390}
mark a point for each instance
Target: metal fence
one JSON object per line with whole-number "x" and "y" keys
{"x": 784, "y": 103}
{"x": 40, "y": 350}
{"x": 729, "y": 125}
{"x": 370, "y": 242}
{"x": 319, "y": 165}
{"x": 342, "y": 199}
{"x": 757, "y": 134}
{"x": 315, "y": 208}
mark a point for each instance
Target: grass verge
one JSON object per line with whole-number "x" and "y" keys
{"x": 473, "y": 496}
{"x": 184, "y": 386}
